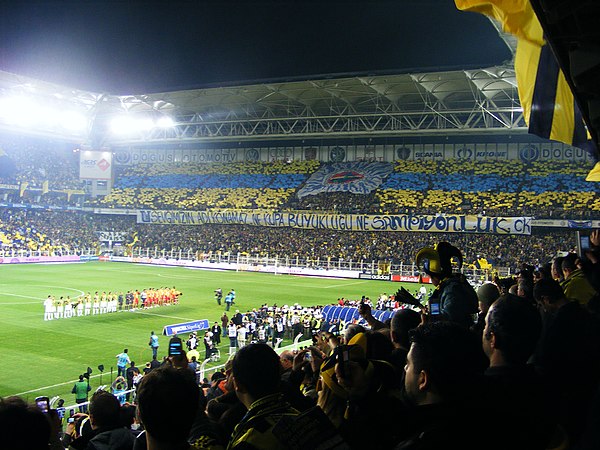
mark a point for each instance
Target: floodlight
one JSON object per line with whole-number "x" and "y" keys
{"x": 122, "y": 125}
{"x": 18, "y": 110}
{"x": 165, "y": 122}
{"x": 73, "y": 121}
{"x": 145, "y": 124}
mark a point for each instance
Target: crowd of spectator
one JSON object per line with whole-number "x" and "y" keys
{"x": 35, "y": 161}
{"x": 543, "y": 189}
{"x": 60, "y": 231}
{"x": 526, "y": 364}
{"x": 44, "y": 172}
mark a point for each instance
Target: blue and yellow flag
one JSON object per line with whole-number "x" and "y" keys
{"x": 353, "y": 177}
{"x": 549, "y": 106}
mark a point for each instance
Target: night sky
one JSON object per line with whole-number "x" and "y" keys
{"x": 123, "y": 47}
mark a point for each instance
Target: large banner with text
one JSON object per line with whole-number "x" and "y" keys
{"x": 343, "y": 222}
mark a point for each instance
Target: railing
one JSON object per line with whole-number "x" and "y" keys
{"x": 23, "y": 253}
{"x": 200, "y": 374}
{"x": 244, "y": 260}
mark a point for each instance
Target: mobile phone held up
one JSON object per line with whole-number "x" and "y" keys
{"x": 434, "y": 308}
{"x": 342, "y": 357}
{"x": 43, "y": 404}
{"x": 583, "y": 244}
{"x": 175, "y": 348}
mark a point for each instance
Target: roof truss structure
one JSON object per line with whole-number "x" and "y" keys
{"x": 408, "y": 104}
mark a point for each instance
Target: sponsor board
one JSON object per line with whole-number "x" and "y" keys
{"x": 369, "y": 276}
{"x": 89, "y": 258}
{"x": 186, "y": 327}
{"x": 95, "y": 165}
{"x": 39, "y": 259}
{"x": 411, "y": 278}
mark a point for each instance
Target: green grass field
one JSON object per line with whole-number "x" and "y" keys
{"x": 45, "y": 358}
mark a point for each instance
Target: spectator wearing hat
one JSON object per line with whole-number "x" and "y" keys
{"x": 218, "y": 382}
{"x": 456, "y": 298}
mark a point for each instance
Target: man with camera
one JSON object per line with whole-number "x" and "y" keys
{"x": 218, "y": 295}
{"x": 454, "y": 298}
{"x": 81, "y": 389}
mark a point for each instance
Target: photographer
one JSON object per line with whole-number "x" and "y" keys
{"x": 81, "y": 389}
{"x": 218, "y": 295}
{"x": 453, "y": 298}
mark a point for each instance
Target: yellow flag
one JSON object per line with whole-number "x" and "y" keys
{"x": 549, "y": 106}
{"x": 22, "y": 188}
{"x": 45, "y": 187}
{"x": 594, "y": 174}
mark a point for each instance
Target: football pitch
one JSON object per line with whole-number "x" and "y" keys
{"x": 46, "y": 357}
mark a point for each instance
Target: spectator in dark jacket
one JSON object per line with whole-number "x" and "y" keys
{"x": 107, "y": 431}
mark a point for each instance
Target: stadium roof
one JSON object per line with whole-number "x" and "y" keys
{"x": 327, "y": 106}
{"x": 361, "y": 105}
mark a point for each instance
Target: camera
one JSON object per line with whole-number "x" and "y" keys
{"x": 71, "y": 420}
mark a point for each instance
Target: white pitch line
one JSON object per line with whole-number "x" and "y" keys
{"x": 54, "y": 385}
{"x": 343, "y": 285}
{"x": 17, "y": 295}
{"x": 22, "y": 303}
{"x": 177, "y": 276}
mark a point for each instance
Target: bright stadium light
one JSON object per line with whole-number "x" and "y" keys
{"x": 73, "y": 121}
{"x": 165, "y": 122}
{"x": 129, "y": 124}
{"x": 145, "y": 124}
{"x": 28, "y": 112}
{"x": 44, "y": 116}
{"x": 18, "y": 110}
{"x": 122, "y": 125}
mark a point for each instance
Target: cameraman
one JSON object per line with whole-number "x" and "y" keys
{"x": 81, "y": 389}
{"x": 456, "y": 298}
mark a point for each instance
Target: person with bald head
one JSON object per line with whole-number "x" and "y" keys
{"x": 487, "y": 294}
